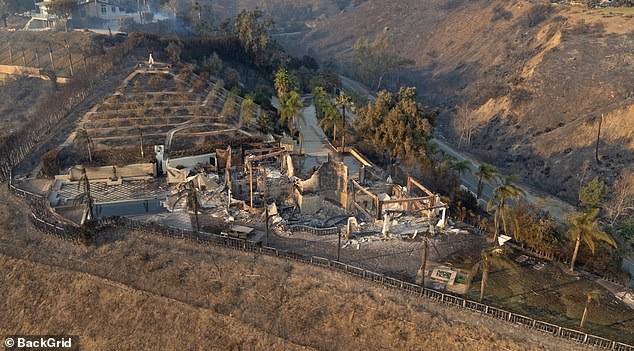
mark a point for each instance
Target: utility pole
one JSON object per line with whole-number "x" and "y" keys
{"x": 195, "y": 198}
{"x": 266, "y": 203}
{"x": 70, "y": 58}
{"x": 37, "y": 58}
{"x": 141, "y": 138}
{"x": 343, "y": 129}
{"x": 338, "y": 245}
{"x": 11, "y": 53}
{"x": 228, "y": 169}
{"x": 266, "y": 222}
{"x": 23, "y": 58}
{"x": 138, "y": 7}
{"x": 50, "y": 55}
{"x": 596, "y": 155}
{"x": 250, "y": 183}
{"x": 423, "y": 263}
{"x": 83, "y": 57}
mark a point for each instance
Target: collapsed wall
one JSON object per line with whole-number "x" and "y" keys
{"x": 328, "y": 183}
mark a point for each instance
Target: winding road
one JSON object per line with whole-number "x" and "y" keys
{"x": 556, "y": 207}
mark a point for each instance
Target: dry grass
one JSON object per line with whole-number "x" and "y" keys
{"x": 19, "y": 98}
{"x": 144, "y": 292}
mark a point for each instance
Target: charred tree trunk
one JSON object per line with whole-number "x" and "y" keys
{"x": 50, "y": 55}
{"x": 596, "y": 154}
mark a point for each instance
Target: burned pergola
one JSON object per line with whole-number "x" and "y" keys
{"x": 404, "y": 200}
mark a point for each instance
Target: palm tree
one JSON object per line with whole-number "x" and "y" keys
{"x": 584, "y": 227}
{"x": 331, "y": 120}
{"x": 461, "y": 167}
{"x": 83, "y": 185}
{"x": 290, "y": 108}
{"x": 493, "y": 258}
{"x": 592, "y": 295}
{"x": 344, "y": 102}
{"x": 282, "y": 82}
{"x": 486, "y": 173}
{"x": 321, "y": 101}
{"x": 423, "y": 263}
{"x": 444, "y": 163}
{"x": 498, "y": 203}
{"x": 420, "y": 275}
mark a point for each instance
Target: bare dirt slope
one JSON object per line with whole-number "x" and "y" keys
{"x": 137, "y": 291}
{"x": 536, "y": 75}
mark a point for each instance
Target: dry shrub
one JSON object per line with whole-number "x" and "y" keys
{"x": 199, "y": 85}
{"x": 500, "y": 13}
{"x": 155, "y": 81}
{"x": 537, "y": 14}
{"x": 50, "y": 163}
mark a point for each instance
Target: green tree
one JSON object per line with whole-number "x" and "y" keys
{"x": 291, "y": 106}
{"x": 327, "y": 79}
{"x": 263, "y": 123}
{"x": 63, "y": 9}
{"x": 252, "y": 30}
{"x": 343, "y": 102}
{"x": 213, "y": 64}
{"x": 303, "y": 78}
{"x": 321, "y": 101}
{"x": 486, "y": 173}
{"x": 174, "y": 49}
{"x": 493, "y": 258}
{"x": 443, "y": 164}
{"x": 396, "y": 124}
{"x": 332, "y": 119}
{"x": 461, "y": 167}
{"x": 282, "y": 82}
{"x": 247, "y": 110}
{"x": 591, "y": 195}
{"x": 535, "y": 229}
{"x": 584, "y": 227}
{"x": 230, "y": 106}
{"x": 499, "y": 203}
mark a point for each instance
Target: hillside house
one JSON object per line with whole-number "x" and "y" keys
{"x": 106, "y": 12}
